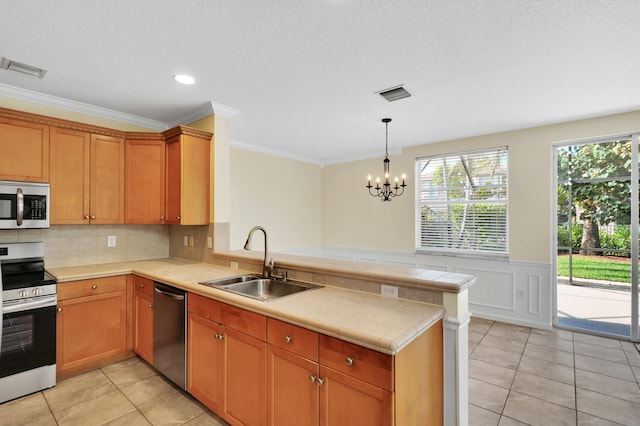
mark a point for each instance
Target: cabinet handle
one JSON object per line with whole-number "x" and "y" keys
{"x": 288, "y": 339}
{"x": 312, "y": 379}
{"x": 349, "y": 361}
{"x": 59, "y": 309}
{"x": 93, "y": 287}
{"x": 319, "y": 381}
{"x": 218, "y": 336}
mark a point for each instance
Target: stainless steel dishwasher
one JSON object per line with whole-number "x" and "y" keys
{"x": 169, "y": 349}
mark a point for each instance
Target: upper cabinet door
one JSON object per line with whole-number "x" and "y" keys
{"x": 188, "y": 180}
{"x": 145, "y": 181}
{"x": 70, "y": 172}
{"x": 107, "y": 180}
{"x": 25, "y": 151}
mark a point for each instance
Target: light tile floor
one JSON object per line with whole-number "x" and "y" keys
{"x": 517, "y": 376}
{"x": 127, "y": 393}
{"x": 524, "y": 376}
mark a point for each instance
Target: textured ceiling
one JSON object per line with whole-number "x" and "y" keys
{"x": 303, "y": 74}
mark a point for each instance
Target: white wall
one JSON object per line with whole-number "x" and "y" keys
{"x": 280, "y": 194}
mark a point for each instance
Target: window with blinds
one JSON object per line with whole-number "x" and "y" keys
{"x": 461, "y": 202}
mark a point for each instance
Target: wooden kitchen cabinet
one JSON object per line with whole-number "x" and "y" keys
{"x": 227, "y": 356}
{"x": 307, "y": 378}
{"x": 91, "y": 324}
{"x": 25, "y": 150}
{"x": 87, "y": 178}
{"x": 143, "y": 318}
{"x": 188, "y": 176}
{"x": 204, "y": 361}
{"x": 145, "y": 168}
{"x": 347, "y": 400}
{"x": 293, "y": 387}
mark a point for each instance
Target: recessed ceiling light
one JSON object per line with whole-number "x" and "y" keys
{"x": 184, "y": 79}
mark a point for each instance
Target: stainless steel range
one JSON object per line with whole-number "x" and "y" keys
{"x": 28, "y": 343}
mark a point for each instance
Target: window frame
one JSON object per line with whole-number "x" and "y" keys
{"x": 460, "y": 252}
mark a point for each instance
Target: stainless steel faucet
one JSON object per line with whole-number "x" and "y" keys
{"x": 268, "y": 267}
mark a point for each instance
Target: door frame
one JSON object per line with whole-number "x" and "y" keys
{"x": 635, "y": 217}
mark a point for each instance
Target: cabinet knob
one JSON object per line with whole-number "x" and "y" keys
{"x": 288, "y": 339}
{"x": 93, "y": 287}
{"x": 86, "y": 217}
{"x": 319, "y": 381}
{"x": 151, "y": 305}
{"x": 142, "y": 285}
{"x": 349, "y": 361}
{"x": 177, "y": 217}
{"x": 312, "y": 379}
{"x": 161, "y": 217}
{"x": 218, "y": 336}
{"x": 59, "y": 309}
{"x": 93, "y": 217}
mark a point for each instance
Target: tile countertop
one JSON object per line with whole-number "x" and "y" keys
{"x": 376, "y": 322}
{"x": 426, "y": 279}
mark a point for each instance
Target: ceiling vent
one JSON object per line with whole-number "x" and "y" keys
{"x": 394, "y": 93}
{"x": 11, "y": 65}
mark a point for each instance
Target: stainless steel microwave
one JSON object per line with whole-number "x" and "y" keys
{"x": 24, "y": 205}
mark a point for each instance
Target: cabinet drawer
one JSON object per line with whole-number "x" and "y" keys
{"x": 206, "y": 308}
{"x": 144, "y": 285}
{"x": 293, "y": 338}
{"x": 82, "y": 288}
{"x": 365, "y": 364}
{"x": 245, "y": 321}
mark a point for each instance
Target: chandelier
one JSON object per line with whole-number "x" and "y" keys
{"x": 386, "y": 192}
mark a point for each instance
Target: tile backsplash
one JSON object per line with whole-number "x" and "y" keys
{"x": 68, "y": 245}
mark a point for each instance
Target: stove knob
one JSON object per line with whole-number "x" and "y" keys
{"x": 36, "y": 292}
{"x": 23, "y": 293}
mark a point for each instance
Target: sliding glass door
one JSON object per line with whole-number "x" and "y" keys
{"x": 597, "y": 236}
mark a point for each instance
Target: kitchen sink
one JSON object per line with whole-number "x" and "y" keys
{"x": 260, "y": 288}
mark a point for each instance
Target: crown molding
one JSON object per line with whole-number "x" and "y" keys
{"x": 359, "y": 157}
{"x": 79, "y": 107}
{"x": 205, "y": 110}
{"x": 275, "y": 152}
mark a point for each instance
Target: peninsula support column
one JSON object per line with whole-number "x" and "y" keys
{"x": 456, "y": 358}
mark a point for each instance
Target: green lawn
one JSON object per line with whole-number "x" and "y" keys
{"x": 596, "y": 267}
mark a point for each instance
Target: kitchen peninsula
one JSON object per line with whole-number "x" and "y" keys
{"x": 385, "y": 325}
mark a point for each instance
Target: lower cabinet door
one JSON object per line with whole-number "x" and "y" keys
{"x": 204, "y": 362}
{"x": 90, "y": 329}
{"x": 143, "y": 326}
{"x": 245, "y": 379}
{"x": 345, "y": 400}
{"x": 293, "y": 389}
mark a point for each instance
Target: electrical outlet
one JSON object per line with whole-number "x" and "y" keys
{"x": 190, "y": 240}
{"x": 111, "y": 241}
{"x": 209, "y": 242}
{"x": 185, "y": 241}
{"x": 234, "y": 265}
{"x": 389, "y": 290}
{"x": 520, "y": 294}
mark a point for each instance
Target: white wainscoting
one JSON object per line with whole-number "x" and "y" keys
{"x": 514, "y": 292}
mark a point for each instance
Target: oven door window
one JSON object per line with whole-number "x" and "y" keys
{"x": 28, "y": 340}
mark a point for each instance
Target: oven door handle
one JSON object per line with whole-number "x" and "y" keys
{"x": 20, "y": 210}
{"x": 34, "y": 304}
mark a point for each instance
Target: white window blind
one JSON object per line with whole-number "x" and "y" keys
{"x": 462, "y": 202}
